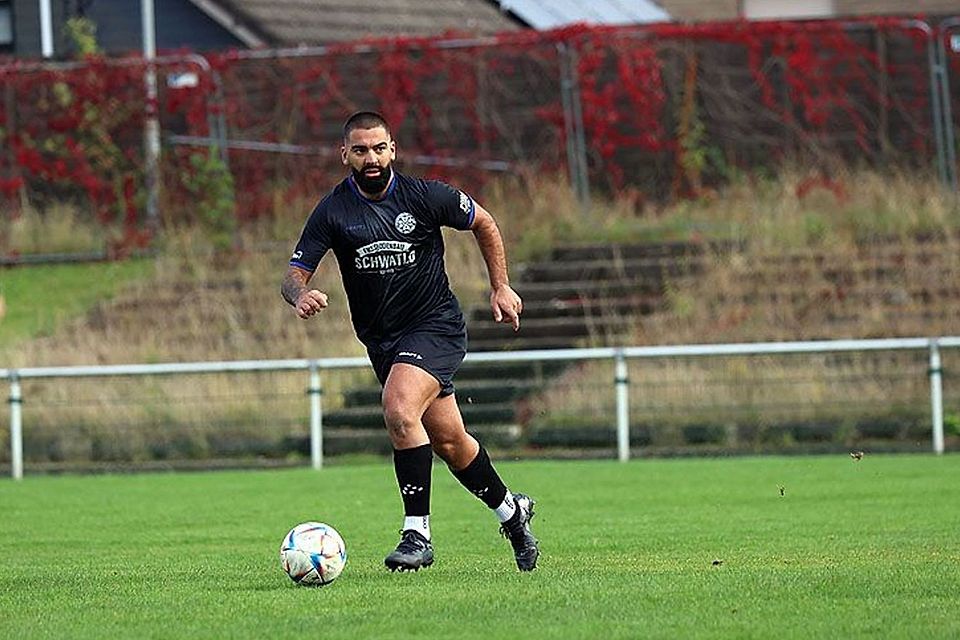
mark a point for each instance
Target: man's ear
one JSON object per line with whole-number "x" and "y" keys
{"x": 343, "y": 154}
{"x": 393, "y": 150}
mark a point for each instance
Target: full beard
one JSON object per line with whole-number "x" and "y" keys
{"x": 372, "y": 184}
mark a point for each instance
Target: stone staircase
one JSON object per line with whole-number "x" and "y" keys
{"x": 586, "y": 295}
{"x": 577, "y": 296}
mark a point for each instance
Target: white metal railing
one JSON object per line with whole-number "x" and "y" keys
{"x": 620, "y": 355}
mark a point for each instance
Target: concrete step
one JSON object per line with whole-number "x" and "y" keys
{"x": 765, "y": 275}
{"x": 521, "y": 342}
{"x": 340, "y": 440}
{"x": 531, "y": 371}
{"x": 493, "y": 391}
{"x": 371, "y": 417}
{"x": 641, "y": 304}
{"x": 655, "y": 269}
{"x": 633, "y": 251}
{"x": 863, "y": 296}
{"x": 552, "y": 327}
{"x": 586, "y": 289}
{"x": 893, "y": 253}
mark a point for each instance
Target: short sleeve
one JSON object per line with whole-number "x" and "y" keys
{"x": 314, "y": 240}
{"x": 453, "y": 207}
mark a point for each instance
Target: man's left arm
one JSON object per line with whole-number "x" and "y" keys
{"x": 504, "y": 301}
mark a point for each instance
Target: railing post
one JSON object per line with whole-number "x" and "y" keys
{"x": 941, "y": 66}
{"x": 16, "y": 428}
{"x": 151, "y": 125}
{"x": 573, "y": 125}
{"x": 221, "y": 128}
{"x": 568, "y": 129}
{"x": 622, "y": 382}
{"x": 316, "y": 417}
{"x": 936, "y": 396}
{"x": 946, "y": 173}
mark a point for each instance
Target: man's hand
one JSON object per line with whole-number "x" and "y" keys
{"x": 506, "y": 305}
{"x": 305, "y": 301}
{"x": 310, "y": 302}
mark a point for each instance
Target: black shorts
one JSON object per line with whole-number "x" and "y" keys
{"x": 438, "y": 352}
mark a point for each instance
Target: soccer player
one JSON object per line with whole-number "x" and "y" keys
{"x": 384, "y": 228}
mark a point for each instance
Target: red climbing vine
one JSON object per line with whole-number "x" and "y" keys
{"x": 656, "y": 101}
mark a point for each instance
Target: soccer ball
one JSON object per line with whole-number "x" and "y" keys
{"x": 313, "y": 554}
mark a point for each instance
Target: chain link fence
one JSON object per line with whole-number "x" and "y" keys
{"x": 659, "y": 111}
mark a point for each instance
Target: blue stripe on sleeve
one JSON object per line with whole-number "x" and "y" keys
{"x": 473, "y": 213}
{"x": 295, "y": 263}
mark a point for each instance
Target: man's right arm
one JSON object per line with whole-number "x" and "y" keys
{"x": 305, "y": 301}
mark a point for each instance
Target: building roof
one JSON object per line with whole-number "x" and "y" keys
{"x": 548, "y": 14}
{"x": 313, "y": 22}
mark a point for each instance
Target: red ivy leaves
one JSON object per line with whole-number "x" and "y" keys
{"x": 78, "y": 131}
{"x": 623, "y": 97}
{"x": 84, "y": 127}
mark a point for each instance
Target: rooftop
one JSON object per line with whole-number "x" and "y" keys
{"x": 312, "y": 22}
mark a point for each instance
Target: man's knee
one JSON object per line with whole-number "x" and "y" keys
{"x": 457, "y": 450}
{"x": 400, "y": 419}
{"x": 448, "y": 450}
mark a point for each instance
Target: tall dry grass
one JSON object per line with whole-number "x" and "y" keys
{"x": 801, "y": 254}
{"x": 206, "y": 304}
{"x": 869, "y": 255}
{"x": 803, "y": 208}
{"x": 539, "y": 211}
{"x": 58, "y": 228}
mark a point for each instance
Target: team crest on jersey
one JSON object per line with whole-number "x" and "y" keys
{"x": 405, "y": 222}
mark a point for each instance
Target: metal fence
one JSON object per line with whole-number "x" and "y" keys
{"x": 662, "y": 110}
{"x": 761, "y": 386}
{"x": 76, "y": 132}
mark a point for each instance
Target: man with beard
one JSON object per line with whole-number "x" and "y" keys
{"x": 385, "y": 230}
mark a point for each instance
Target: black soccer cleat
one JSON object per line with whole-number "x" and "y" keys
{"x": 413, "y": 552}
{"x": 517, "y": 531}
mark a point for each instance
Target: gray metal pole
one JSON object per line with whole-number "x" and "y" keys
{"x": 151, "y": 131}
{"x": 947, "y": 109}
{"x": 221, "y": 120}
{"x": 936, "y": 396}
{"x": 622, "y": 382}
{"x": 46, "y": 29}
{"x": 573, "y": 126}
{"x": 16, "y": 428}
{"x": 316, "y": 417}
{"x": 936, "y": 104}
{"x": 566, "y": 101}
{"x": 949, "y": 139}
{"x": 583, "y": 185}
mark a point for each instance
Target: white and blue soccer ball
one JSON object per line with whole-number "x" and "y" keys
{"x": 313, "y": 554}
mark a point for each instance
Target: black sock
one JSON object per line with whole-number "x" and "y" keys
{"x": 413, "y": 467}
{"x": 482, "y": 480}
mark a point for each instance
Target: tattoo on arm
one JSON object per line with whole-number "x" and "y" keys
{"x": 294, "y": 283}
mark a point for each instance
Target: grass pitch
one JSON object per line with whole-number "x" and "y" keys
{"x": 40, "y": 298}
{"x": 730, "y": 548}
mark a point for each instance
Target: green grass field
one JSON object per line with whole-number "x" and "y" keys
{"x": 653, "y": 548}
{"x": 41, "y": 297}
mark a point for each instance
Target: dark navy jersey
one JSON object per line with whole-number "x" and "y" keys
{"x": 390, "y": 254}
